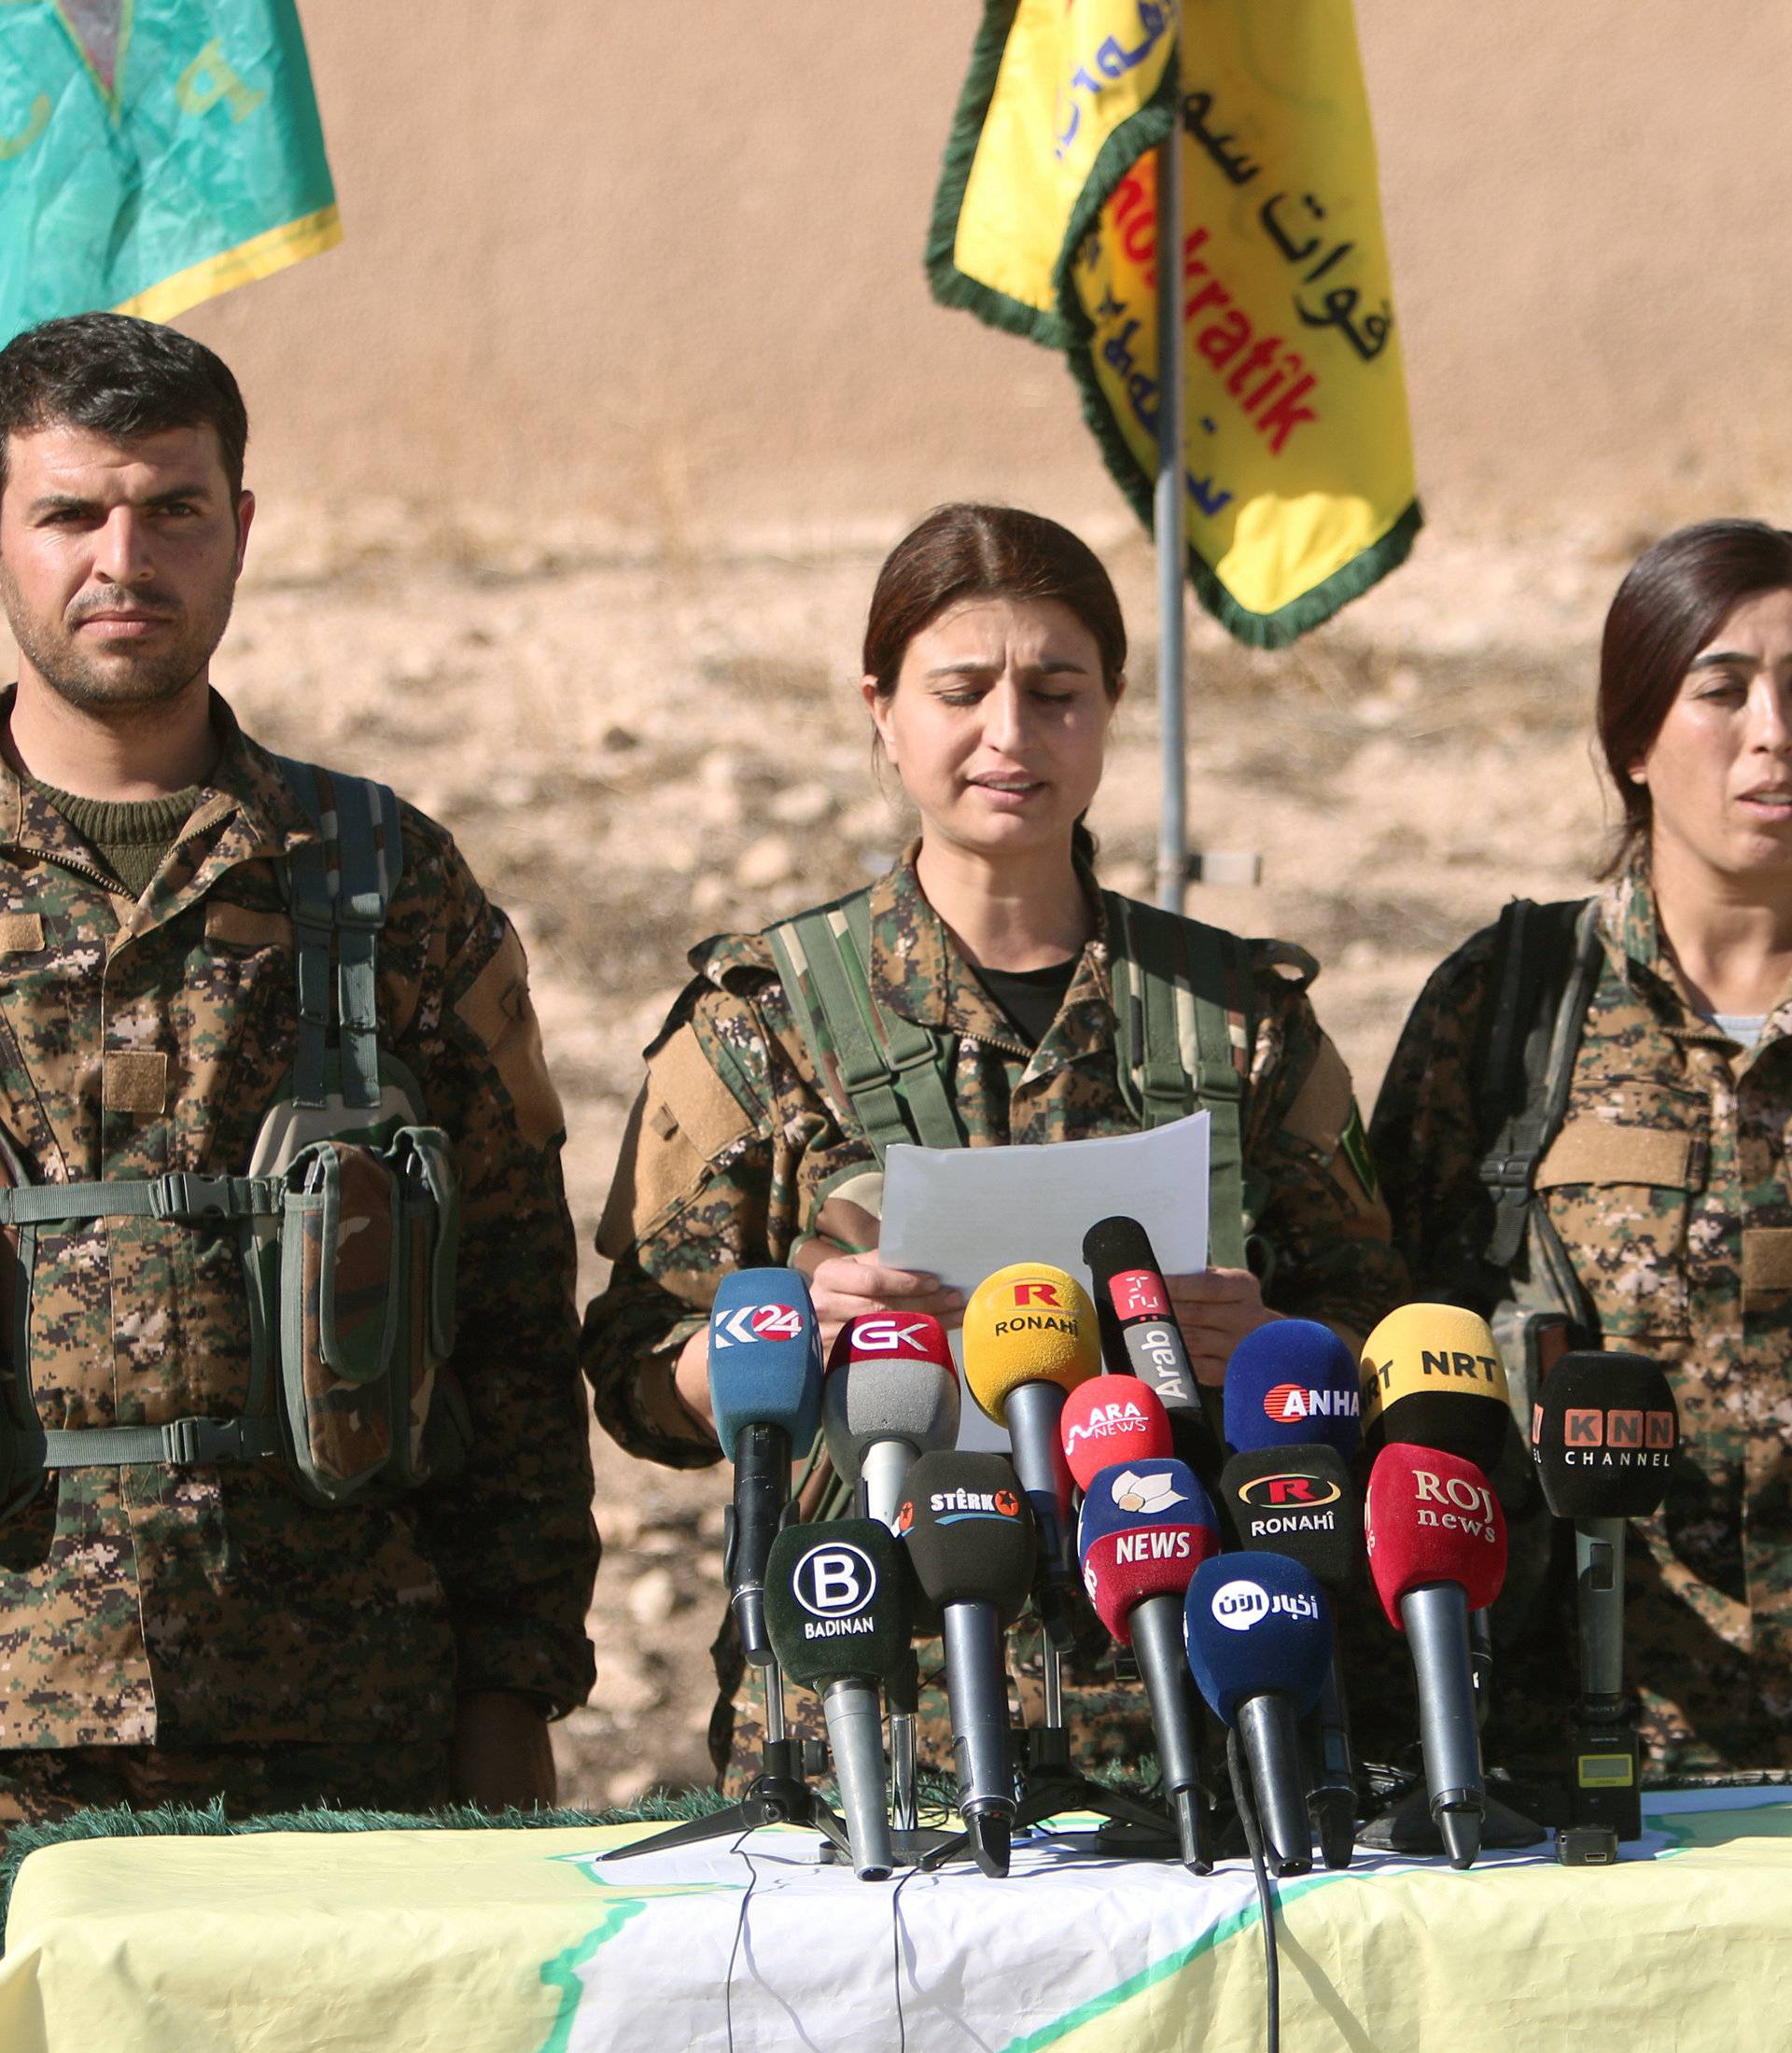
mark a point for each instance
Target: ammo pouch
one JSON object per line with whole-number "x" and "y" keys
{"x": 349, "y": 1259}
{"x": 364, "y": 1282}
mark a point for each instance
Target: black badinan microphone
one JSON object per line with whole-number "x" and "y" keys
{"x": 837, "y": 1610}
{"x": 968, "y": 1531}
{"x": 1606, "y": 1436}
{"x": 1140, "y": 1335}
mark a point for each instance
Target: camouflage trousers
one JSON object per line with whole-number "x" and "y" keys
{"x": 1105, "y": 1707}
{"x": 41, "y": 1785}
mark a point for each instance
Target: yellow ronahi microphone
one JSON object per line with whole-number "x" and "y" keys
{"x": 1029, "y": 1338}
{"x": 1433, "y": 1377}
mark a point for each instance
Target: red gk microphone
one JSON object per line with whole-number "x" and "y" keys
{"x": 892, "y": 1393}
{"x": 1437, "y": 1544}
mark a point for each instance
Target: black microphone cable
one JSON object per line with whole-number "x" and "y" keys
{"x": 896, "y": 1953}
{"x": 1243, "y": 1798}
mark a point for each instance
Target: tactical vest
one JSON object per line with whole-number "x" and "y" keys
{"x": 345, "y": 1221}
{"x": 1546, "y": 968}
{"x": 1178, "y": 987}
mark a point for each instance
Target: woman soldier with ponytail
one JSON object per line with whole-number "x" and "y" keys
{"x": 994, "y": 659}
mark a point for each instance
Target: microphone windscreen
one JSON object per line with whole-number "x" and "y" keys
{"x": 1112, "y": 1418}
{"x": 1119, "y": 1253}
{"x": 889, "y": 1377}
{"x": 1431, "y": 1518}
{"x": 1289, "y": 1383}
{"x": 1299, "y": 1502}
{"x": 1256, "y": 1622}
{"x": 1028, "y": 1323}
{"x": 1433, "y": 1376}
{"x": 1146, "y": 1527}
{"x": 765, "y": 1357}
{"x": 1605, "y": 1434}
{"x": 836, "y": 1602}
{"x": 969, "y": 1530}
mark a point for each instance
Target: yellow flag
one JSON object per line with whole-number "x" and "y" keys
{"x": 1299, "y": 456}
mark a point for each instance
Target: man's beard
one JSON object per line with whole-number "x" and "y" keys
{"x": 91, "y": 681}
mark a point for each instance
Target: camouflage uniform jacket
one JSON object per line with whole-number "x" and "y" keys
{"x": 189, "y": 1607}
{"x": 739, "y": 1155}
{"x": 1670, "y": 1185}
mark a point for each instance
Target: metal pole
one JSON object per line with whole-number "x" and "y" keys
{"x": 1172, "y": 824}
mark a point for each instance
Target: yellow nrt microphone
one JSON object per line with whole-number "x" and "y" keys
{"x": 1028, "y": 1323}
{"x": 1433, "y": 1377}
{"x": 1029, "y": 1338}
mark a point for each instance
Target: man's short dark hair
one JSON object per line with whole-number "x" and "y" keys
{"x": 121, "y": 377}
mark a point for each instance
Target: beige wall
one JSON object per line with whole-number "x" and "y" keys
{"x": 659, "y": 267}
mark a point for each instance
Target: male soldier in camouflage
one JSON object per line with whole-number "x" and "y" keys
{"x": 1667, "y": 1180}
{"x": 1009, "y": 645}
{"x": 187, "y": 1629}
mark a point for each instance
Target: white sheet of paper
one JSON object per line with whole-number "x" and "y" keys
{"x": 962, "y": 1213}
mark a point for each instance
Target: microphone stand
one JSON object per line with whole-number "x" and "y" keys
{"x": 778, "y": 1795}
{"x": 1137, "y": 1829}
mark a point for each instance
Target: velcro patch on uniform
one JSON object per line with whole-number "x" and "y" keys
{"x": 1325, "y": 1102}
{"x": 1767, "y": 1264}
{"x": 682, "y": 1082}
{"x": 497, "y": 1008}
{"x": 1599, "y": 1150}
{"x": 20, "y": 934}
{"x": 135, "y": 1080}
{"x": 246, "y": 926}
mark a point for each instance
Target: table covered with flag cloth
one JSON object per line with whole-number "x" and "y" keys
{"x": 447, "y": 1940}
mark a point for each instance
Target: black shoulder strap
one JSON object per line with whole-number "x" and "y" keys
{"x": 1546, "y": 965}
{"x": 340, "y": 886}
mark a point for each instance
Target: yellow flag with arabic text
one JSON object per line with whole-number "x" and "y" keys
{"x": 1299, "y": 473}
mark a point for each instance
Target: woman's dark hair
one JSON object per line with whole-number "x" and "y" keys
{"x": 121, "y": 377}
{"x": 968, "y": 551}
{"x": 1674, "y": 599}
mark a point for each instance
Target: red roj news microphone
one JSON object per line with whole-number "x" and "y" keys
{"x": 1437, "y": 1544}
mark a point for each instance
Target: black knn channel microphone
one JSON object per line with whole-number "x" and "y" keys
{"x": 837, "y": 1610}
{"x": 1605, "y": 1434}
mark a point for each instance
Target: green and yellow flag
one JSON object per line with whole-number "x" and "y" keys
{"x": 1299, "y": 457}
{"x": 153, "y": 153}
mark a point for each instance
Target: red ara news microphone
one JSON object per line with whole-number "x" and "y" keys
{"x": 1437, "y": 1545}
{"x": 1109, "y": 1419}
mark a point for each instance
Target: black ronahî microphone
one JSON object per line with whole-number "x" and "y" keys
{"x": 1605, "y": 1434}
{"x": 969, "y": 1530}
{"x": 1299, "y": 1500}
{"x": 1140, "y": 1335}
{"x": 837, "y": 1610}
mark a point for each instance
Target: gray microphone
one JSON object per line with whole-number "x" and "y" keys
{"x": 892, "y": 1393}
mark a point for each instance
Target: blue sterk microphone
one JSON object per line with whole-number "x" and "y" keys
{"x": 765, "y": 1388}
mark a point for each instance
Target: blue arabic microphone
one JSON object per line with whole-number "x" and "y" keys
{"x": 1259, "y": 1645}
{"x": 765, "y": 1388}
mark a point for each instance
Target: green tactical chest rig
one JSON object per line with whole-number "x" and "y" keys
{"x": 1176, "y": 987}
{"x": 345, "y": 1222}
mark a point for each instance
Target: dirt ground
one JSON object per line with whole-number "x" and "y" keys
{"x": 637, "y": 753}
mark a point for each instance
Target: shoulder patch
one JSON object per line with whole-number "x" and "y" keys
{"x": 1326, "y": 1102}
{"x": 1354, "y": 1143}
{"x": 685, "y": 1117}
{"x": 496, "y": 1009}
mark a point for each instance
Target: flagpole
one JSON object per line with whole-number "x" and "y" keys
{"x": 1172, "y": 821}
